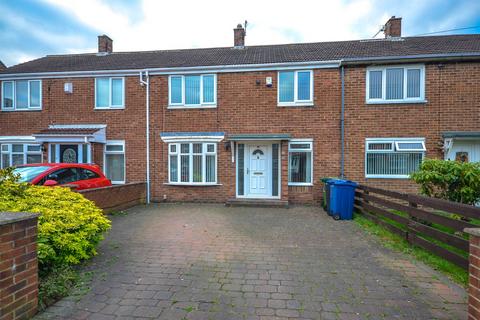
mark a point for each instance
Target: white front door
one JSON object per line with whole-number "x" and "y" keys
{"x": 258, "y": 173}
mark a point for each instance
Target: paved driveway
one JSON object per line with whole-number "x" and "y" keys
{"x": 212, "y": 262}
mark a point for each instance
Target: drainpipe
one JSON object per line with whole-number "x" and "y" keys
{"x": 342, "y": 124}
{"x": 146, "y": 83}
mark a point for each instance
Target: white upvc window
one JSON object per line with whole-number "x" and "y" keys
{"x": 192, "y": 91}
{"x": 114, "y": 161}
{"x": 295, "y": 88}
{"x": 22, "y": 95}
{"x": 393, "y": 157}
{"x": 395, "y": 84}
{"x": 19, "y": 154}
{"x": 110, "y": 93}
{"x": 300, "y": 164}
{"x": 192, "y": 163}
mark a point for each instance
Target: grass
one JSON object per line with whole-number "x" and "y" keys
{"x": 397, "y": 243}
{"x": 60, "y": 282}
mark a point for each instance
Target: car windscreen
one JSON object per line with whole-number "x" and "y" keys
{"x": 27, "y": 174}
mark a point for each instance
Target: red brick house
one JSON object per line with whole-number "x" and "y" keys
{"x": 249, "y": 122}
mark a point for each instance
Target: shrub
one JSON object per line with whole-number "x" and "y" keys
{"x": 449, "y": 180}
{"x": 70, "y": 226}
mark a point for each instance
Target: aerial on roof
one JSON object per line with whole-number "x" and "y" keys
{"x": 452, "y": 45}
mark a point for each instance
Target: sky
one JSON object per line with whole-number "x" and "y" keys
{"x": 30, "y": 29}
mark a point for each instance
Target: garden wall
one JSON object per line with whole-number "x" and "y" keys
{"x": 18, "y": 265}
{"x": 117, "y": 197}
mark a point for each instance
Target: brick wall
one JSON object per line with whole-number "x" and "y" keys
{"x": 453, "y": 104}
{"x": 474, "y": 274}
{"x": 117, "y": 197}
{"x": 243, "y": 106}
{"x": 18, "y": 265}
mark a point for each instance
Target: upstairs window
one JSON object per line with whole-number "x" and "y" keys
{"x": 22, "y": 95}
{"x": 295, "y": 88}
{"x": 193, "y": 91}
{"x": 393, "y": 158}
{"x": 395, "y": 84}
{"x": 109, "y": 93}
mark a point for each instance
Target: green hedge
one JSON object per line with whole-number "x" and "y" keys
{"x": 449, "y": 180}
{"x": 70, "y": 226}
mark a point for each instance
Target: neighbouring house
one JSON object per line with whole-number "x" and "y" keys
{"x": 2, "y": 66}
{"x": 249, "y": 122}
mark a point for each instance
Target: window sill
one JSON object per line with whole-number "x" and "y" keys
{"x": 207, "y": 106}
{"x": 387, "y": 177}
{"x": 193, "y": 184}
{"x": 108, "y": 108}
{"x": 299, "y": 104}
{"x": 22, "y": 110}
{"x": 397, "y": 102}
{"x": 300, "y": 184}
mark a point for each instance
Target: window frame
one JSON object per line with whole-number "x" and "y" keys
{"x": 183, "y": 105}
{"x": 310, "y": 149}
{"x": 14, "y": 96}
{"x": 25, "y": 153}
{"x": 205, "y": 152}
{"x": 394, "y": 142}
{"x": 105, "y": 153}
{"x": 110, "y": 94}
{"x": 405, "y": 99}
{"x": 296, "y": 101}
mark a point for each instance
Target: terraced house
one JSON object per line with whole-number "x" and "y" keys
{"x": 249, "y": 123}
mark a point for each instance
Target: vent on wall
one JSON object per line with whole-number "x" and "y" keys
{"x": 68, "y": 87}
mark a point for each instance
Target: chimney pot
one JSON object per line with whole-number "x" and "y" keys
{"x": 105, "y": 44}
{"x": 393, "y": 27}
{"x": 239, "y": 37}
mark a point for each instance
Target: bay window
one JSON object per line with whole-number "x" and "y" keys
{"x": 20, "y": 154}
{"x": 192, "y": 90}
{"x": 21, "y": 95}
{"x": 300, "y": 163}
{"x": 395, "y": 84}
{"x": 109, "y": 93}
{"x": 192, "y": 163}
{"x": 114, "y": 162}
{"x": 393, "y": 158}
{"x": 295, "y": 88}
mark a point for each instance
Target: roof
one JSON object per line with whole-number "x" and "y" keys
{"x": 67, "y": 131}
{"x": 461, "y": 134}
{"x": 2, "y": 65}
{"x": 268, "y": 54}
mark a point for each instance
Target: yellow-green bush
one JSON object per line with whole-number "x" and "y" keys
{"x": 70, "y": 226}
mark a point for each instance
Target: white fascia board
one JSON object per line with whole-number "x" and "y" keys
{"x": 174, "y": 139}
{"x": 178, "y": 70}
{"x": 11, "y": 139}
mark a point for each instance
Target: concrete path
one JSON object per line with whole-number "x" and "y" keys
{"x": 199, "y": 261}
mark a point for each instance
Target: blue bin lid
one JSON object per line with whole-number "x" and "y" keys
{"x": 340, "y": 182}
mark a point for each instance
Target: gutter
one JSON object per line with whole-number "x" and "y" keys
{"x": 147, "y": 128}
{"x": 342, "y": 124}
{"x": 469, "y": 56}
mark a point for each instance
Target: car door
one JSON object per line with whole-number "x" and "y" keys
{"x": 64, "y": 176}
{"x": 90, "y": 179}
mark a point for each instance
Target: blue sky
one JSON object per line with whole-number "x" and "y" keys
{"x": 31, "y": 29}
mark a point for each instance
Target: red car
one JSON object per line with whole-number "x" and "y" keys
{"x": 82, "y": 176}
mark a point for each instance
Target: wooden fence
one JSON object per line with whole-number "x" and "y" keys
{"x": 435, "y": 225}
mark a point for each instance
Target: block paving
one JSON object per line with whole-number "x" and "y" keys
{"x": 206, "y": 261}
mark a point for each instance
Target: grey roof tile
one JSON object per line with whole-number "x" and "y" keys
{"x": 300, "y": 52}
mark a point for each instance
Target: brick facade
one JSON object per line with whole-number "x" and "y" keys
{"x": 474, "y": 275}
{"x": 18, "y": 266}
{"x": 117, "y": 197}
{"x": 246, "y": 105}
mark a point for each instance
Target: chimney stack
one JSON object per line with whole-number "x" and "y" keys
{"x": 105, "y": 44}
{"x": 239, "y": 37}
{"x": 393, "y": 27}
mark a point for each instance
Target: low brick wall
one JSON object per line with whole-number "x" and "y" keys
{"x": 18, "y": 265}
{"x": 474, "y": 274}
{"x": 117, "y": 197}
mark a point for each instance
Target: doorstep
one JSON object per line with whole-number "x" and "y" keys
{"x": 272, "y": 203}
